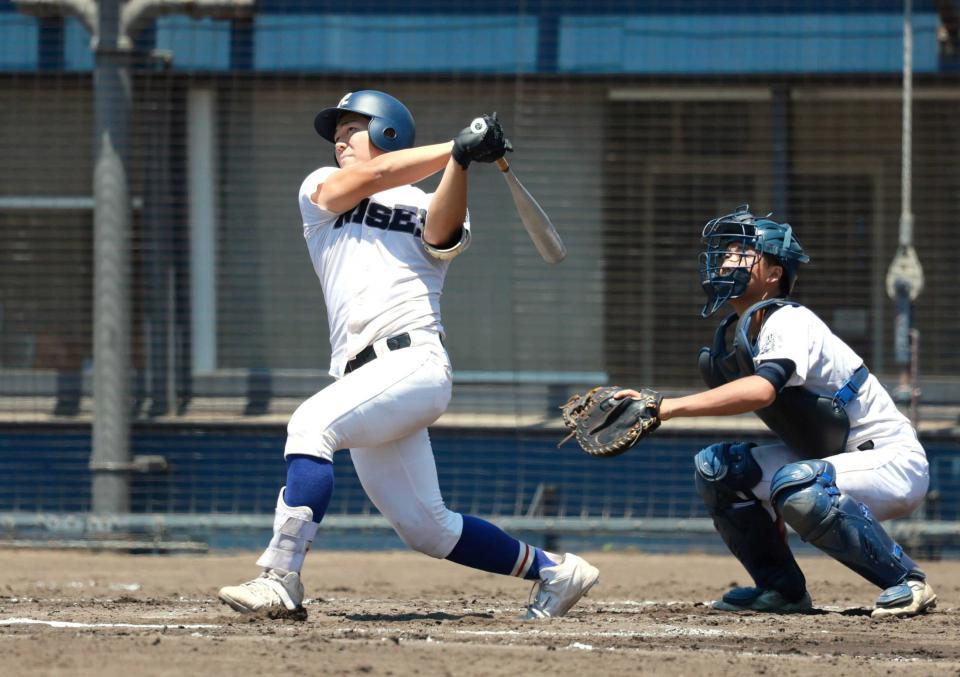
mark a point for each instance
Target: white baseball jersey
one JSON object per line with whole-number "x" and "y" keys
{"x": 378, "y": 279}
{"x": 823, "y": 364}
{"x": 892, "y": 477}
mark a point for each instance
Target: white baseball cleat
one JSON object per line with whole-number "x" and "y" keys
{"x": 269, "y": 590}
{"x": 561, "y": 586}
{"x": 913, "y": 597}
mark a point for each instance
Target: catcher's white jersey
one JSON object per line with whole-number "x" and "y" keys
{"x": 377, "y": 278}
{"x": 823, "y": 364}
{"x": 890, "y": 475}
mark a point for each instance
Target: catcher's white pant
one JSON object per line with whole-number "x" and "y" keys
{"x": 381, "y": 412}
{"x": 891, "y": 479}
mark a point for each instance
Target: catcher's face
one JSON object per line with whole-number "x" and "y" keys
{"x": 738, "y": 256}
{"x": 726, "y": 270}
{"x": 352, "y": 140}
{"x": 764, "y": 276}
{"x": 733, "y": 268}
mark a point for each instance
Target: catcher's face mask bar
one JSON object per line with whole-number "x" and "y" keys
{"x": 726, "y": 265}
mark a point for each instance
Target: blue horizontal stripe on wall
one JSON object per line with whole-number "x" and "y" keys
{"x": 18, "y": 42}
{"x": 196, "y": 44}
{"x": 76, "y": 46}
{"x": 693, "y": 41}
{"x": 820, "y": 43}
{"x": 541, "y": 7}
{"x": 240, "y": 470}
{"x": 688, "y": 7}
{"x": 357, "y": 43}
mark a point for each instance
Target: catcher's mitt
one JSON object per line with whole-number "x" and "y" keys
{"x": 605, "y": 426}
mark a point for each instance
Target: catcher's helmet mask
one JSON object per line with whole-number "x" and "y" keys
{"x": 391, "y": 124}
{"x": 762, "y": 235}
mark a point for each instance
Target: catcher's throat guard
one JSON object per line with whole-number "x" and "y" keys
{"x": 811, "y": 424}
{"x": 606, "y": 426}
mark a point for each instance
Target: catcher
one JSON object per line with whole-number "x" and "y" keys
{"x": 847, "y": 459}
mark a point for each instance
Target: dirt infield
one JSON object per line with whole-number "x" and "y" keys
{"x": 390, "y": 613}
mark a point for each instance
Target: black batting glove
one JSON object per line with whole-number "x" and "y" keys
{"x": 482, "y": 141}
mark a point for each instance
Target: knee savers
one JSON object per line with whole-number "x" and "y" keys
{"x": 806, "y": 495}
{"x": 726, "y": 474}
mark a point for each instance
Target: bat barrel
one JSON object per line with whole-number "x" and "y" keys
{"x": 536, "y": 222}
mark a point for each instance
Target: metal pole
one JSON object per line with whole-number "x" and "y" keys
{"x": 109, "y": 462}
{"x": 906, "y": 160}
{"x": 905, "y": 275}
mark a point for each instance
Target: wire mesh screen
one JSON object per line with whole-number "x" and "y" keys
{"x": 634, "y": 123}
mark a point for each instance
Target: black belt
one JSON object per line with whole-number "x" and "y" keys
{"x": 368, "y": 354}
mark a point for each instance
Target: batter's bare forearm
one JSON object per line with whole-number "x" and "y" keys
{"x": 345, "y": 188}
{"x": 737, "y": 397}
{"x": 448, "y": 208}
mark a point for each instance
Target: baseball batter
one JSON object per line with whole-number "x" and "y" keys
{"x": 381, "y": 248}
{"x": 847, "y": 458}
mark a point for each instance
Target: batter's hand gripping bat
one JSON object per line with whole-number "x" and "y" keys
{"x": 539, "y": 227}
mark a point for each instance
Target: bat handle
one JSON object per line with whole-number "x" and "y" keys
{"x": 503, "y": 165}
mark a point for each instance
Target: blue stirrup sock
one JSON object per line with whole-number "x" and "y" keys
{"x": 487, "y": 547}
{"x": 309, "y": 483}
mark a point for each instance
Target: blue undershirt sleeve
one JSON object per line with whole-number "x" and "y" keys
{"x": 777, "y": 372}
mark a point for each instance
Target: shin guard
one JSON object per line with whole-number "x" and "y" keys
{"x": 293, "y": 532}
{"x": 725, "y": 475}
{"x": 806, "y": 496}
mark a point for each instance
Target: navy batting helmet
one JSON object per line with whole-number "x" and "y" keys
{"x": 391, "y": 124}
{"x": 760, "y": 234}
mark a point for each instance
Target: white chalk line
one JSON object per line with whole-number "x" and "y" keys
{"x": 659, "y": 631}
{"x": 139, "y": 626}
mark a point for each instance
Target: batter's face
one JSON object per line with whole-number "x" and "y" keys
{"x": 352, "y": 140}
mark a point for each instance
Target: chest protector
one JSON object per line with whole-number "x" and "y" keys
{"x": 810, "y": 424}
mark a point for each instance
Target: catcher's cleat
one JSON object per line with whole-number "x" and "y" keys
{"x": 757, "y": 599}
{"x": 560, "y": 587}
{"x": 269, "y": 590}
{"x": 913, "y": 597}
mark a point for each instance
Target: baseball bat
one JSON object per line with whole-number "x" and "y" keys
{"x": 539, "y": 227}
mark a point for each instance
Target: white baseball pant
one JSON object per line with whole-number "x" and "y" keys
{"x": 891, "y": 479}
{"x": 381, "y": 412}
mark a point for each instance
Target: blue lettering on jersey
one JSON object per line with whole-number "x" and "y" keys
{"x": 358, "y": 211}
{"x": 404, "y": 219}
{"x": 401, "y": 218}
{"x": 378, "y": 216}
{"x": 354, "y": 215}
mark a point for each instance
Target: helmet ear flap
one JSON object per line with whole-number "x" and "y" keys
{"x": 384, "y": 135}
